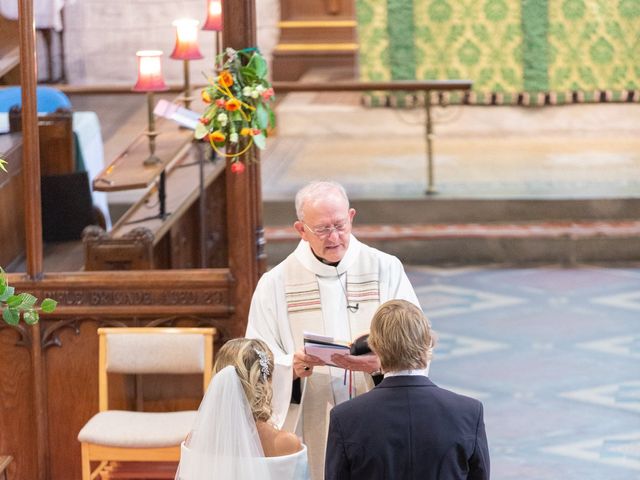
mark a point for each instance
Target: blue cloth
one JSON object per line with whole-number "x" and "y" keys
{"x": 48, "y": 99}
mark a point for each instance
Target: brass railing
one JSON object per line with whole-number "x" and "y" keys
{"x": 426, "y": 87}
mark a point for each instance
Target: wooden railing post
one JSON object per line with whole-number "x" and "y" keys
{"x": 244, "y": 196}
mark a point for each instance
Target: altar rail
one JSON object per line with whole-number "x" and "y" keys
{"x": 425, "y": 87}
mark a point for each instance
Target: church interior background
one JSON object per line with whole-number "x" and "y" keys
{"x": 525, "y": 254}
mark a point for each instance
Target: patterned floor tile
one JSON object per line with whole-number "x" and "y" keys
{"x": 454, "y": 346}
{"x": 628, "y": 346}
{"x": 625, "y": 395}
{"x": 621, "y": 450}
{"x": 630, "y": 300}
{"x": 445, "y": 300}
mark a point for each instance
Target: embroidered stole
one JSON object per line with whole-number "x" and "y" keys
{"x": 304, "y": 309}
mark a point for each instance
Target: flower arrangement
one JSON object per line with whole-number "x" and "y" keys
{"x": 238, "y": 113}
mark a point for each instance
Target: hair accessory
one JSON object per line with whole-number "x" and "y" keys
{"x": 264, "y": 363}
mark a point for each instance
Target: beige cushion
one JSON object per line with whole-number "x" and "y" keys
{"x": 117, "y": 428}
{"x": 155, "y": 353}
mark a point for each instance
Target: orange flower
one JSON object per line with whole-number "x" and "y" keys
{"x": 225, "y": 78}
{"x": 245, "y": 132}
{"x": 217, "y": 136}
{"x": 232, "y": 105}
{"x": 206, "y": 98}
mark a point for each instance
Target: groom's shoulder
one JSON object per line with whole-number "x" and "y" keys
{"x": 356, "y": 406}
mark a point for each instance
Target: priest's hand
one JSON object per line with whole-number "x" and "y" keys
{"x": 303, "y": 364}
{"x": 368, "y": 363}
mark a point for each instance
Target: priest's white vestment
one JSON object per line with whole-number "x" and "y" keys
{"x": 365, "y": 277}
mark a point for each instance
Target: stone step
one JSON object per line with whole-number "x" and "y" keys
{"x": 611, "y": 229}
{"x": 454, "y": 211}
{"x": 522, "y": 242}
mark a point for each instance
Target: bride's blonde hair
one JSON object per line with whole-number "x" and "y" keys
{"x": 253, "y": 362}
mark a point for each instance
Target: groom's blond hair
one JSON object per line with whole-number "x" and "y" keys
{"x": 400, "y": 336}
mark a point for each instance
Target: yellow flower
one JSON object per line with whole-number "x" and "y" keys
{"x": 206, "y": 98}
{"x": 217, "y": 136}
{"x": 232, "y": 105}
{"x": 245, "y": 132}
{"x": 225, "y": 78}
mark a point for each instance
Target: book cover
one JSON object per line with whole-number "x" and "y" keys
{"x": 324, "y": 347}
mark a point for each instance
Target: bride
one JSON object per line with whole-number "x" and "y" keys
{"x": 232, "y": 437}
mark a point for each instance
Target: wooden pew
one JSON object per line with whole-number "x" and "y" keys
{"x": 12, "y": 234}
{"x": 57, "y": 148}
{"x": 192, "y": 235}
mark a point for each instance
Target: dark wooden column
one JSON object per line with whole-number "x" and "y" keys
{"x": 244, "y": 195}
{"x": 32, "y": 211}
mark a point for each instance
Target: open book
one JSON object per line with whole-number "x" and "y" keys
{"x": 324, "y": 347}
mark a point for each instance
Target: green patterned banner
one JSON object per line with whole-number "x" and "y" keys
{"x": 528, "y": 52}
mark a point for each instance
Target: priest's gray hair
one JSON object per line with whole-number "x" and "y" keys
{"x": 317, "y": 190}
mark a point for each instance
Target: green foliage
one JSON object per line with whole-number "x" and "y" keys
{"x": 2, "y": 165}
{"x": 25, "y": 304}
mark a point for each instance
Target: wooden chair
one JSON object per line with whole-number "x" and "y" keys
{"x": 133, "y": 436}
{"x": 5, "y": 460}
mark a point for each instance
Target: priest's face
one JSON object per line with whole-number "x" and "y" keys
{"x": 326, "y": 225}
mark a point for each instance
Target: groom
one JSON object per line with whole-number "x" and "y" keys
{"x": 407, "y": 427}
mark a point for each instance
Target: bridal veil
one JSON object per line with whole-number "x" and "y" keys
{"x": 224, "y": 441}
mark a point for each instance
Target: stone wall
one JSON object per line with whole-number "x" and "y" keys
{"x": 102, "y": 37}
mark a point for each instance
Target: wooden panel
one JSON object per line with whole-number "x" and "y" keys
{"x": 216, "y": 218}
{"x": 12, "y": 237}
{"x": 184, "y": 238}
{"x": 132, "y": 252}
{"x": 16, "y": 405}
{"x": 72, "y": 393}
{"x": 316, "y": 9}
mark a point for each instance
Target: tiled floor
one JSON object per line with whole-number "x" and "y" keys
{"x": 553, "y": 354}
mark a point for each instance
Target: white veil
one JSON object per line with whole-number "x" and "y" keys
{"x": 224, "y": 441}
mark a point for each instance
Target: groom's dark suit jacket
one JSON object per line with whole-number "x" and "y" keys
{"x": 407, "y": 428}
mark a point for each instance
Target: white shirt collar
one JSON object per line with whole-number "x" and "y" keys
{"x": 304, "y": 254}
{"x": 410, "y": 373}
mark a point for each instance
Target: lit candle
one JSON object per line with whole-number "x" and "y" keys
{"x": 186, "y": 47}
{"x": 214, "y": 16}
{"x": 149, "y": 71}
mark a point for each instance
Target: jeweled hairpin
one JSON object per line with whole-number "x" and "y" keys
{"x": 264, "y": 363}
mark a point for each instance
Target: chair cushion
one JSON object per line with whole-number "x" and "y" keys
{"x": 155, "y": 353}
{"x": 117, "y": 428}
